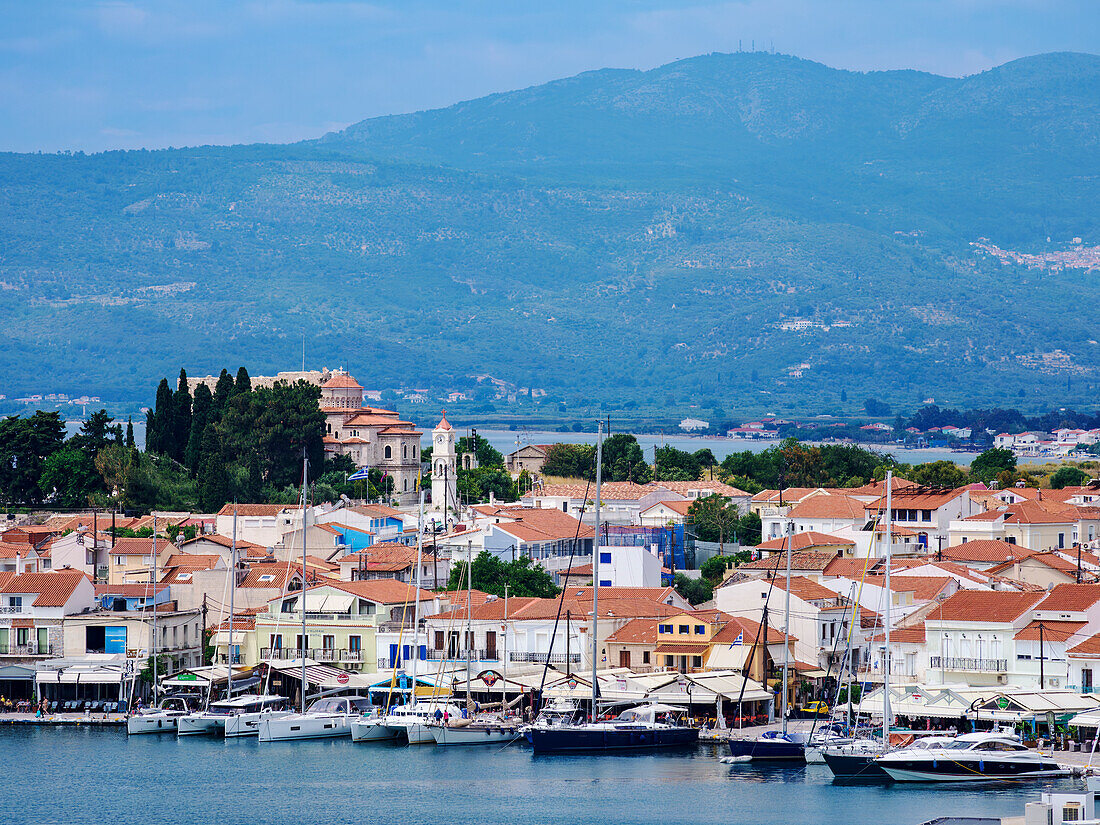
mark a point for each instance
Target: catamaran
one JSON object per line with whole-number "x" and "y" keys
{"x": 327, "y": 718}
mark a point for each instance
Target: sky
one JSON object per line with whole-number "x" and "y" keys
{"x": 121, "y": 74}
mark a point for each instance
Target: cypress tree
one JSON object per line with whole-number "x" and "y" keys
{"x": 200, "y": 420}
{"x": 181, "y": 420}
{"x": 158, "y": 437}
{"x": 222, "y": 390}
{"x": 213, "y": 479}
{"x": 244, "y": 383}
{"x": 130, "y": 432}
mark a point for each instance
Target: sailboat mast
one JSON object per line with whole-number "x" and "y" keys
{"x": 469, "y": 642}
{"x": 305, "y": 636}
{"x": 232, "y": 588}
{"x": 416, "y": 597}
{"x": 504, "y": 660}
{"x": 153, "y": 590}
{"x": 596, "y": 570}
{"x": 886, "y": 615}
{"x": 786, "y": 629}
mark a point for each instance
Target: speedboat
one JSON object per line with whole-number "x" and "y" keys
{"x": 410, "y": 723}
{"x": 968, "y": 758}
{"x": 641, "y": 728}
{"x": 326, "y": 718}
{"x": 371, "y": 728}
{"x": 858, "y": 759}
{"x": 772, "y": 746}
{"x": 161, "y": 719}
{"x": 491, "y": 730}
{"x": 244, "y": 711}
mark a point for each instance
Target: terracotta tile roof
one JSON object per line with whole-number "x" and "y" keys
{"x": 375, "y": 510}
{"x": 993, "y": 550}
{"x": 807, "y": 589}
{"x": 257, "y": 510}
{"x": 53, "y": 588}
{"x": 1071, "y": 597}
{"x": 686, "y": 487}
{"x": 221, "y": 541}
{"x": 914, "y": 635}
{"x": 140, "y": 547}
{"x": 5, "y": 577}
{"x": 341, "y": 381}
{"x": 130, "y": 591}
{"x": 791, "y": 495}
{"x": 829, "y": 506}
{"x": 535, "y": 524}
{"x": 738, "y": 624}
{"x": 806, "y": 560}
{"x": 239, "y": 623}
{"x": 916, "y": 498}
{"x": 1034, "y": 512}
{"x": 611, "y": 491}
{"x": 1049, "y": 558}
{"x": 996, "y": 606}
{"x": 193, "y": 561}
{"x": 1052, "y": 631}
{"x": 652, "y": 594}
{"x": 1088, "y": 649}
{"x": 382, "y": 591}
{"x": 923, "y": 588}
{"x": 806, "y": 540}
{"x": 680, "y": 507}
{"x": 851, "y": 568}
{"x": 280, "y": 572}
{"x": 988, "y": 515}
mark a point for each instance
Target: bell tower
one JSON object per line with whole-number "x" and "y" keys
{"x": 444, "y": 468}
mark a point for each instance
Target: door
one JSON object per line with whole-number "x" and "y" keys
{"x": 1086, "y": 680}
{"x": 393, "y": 656}
{"x": 490, "y": 644}
{"x": 624, "y": 658}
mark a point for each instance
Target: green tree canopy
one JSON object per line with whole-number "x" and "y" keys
{"x": 671, "y": 464}
{"x": 487, "y": 455}
{"x": 939, "y": 474}
{"x": 475, "y": 485}
{"x": 987, "y": 466}
{"x": 69, "y": 478}
{"x": 25, "y": 444}
{"x": 696, "y": 591}
{"x": 490, "y": 574}
{"x": 570, "y": 461}
{"x": 1067, "y": 476}
{"x": 623, "y": 460}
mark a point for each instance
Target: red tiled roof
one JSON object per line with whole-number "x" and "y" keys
{"x": 341, "y": 381}
{"x": 803, "y": 541}
{"x": 914, "y": 498}
{"x": 1071, "y": 597}
{"x": 54, "y": 587}
{"x": 993, "y": 550}
{"x": 256, "y": 510}
{"x": 1088, "y": 649}
{"x": 923, "y": 588}
{"x": 829, "y": 506}
{"x": 382, "y": 591}
{"x": 1049, "y": 558}
{"x": 1034, "y": 512}
{"x": 1052, "y": 631}
{"x": 806, "y": 560}
{"x": 140, "y": 547}
{"x": 807, "y": 589}
{"x": 984, "y": 606}
{"x": 914, "y": 635}
{"x": 680, "y": 507}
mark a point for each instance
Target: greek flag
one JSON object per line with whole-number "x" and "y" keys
{"x": 740, "y": 640}
{"x": 360, "y": 475}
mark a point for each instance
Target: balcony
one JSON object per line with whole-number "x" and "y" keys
{"x": 459, "y": 655}
{"x": 541, "y": 658}
{"x": 971, "y": 665}
{"x": 317, "y": 654}
{"x": 8, "y": 608}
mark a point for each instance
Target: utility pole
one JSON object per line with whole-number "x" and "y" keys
{"x": 1042, "y": 680}
{"x": 1078, "y": 562}
{"x": 202, "y": 648}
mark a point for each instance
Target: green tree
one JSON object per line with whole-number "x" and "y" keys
{"x": 181, "y": 418}
{"x": 1067, "y": 476}
{"x": 160, "y": 421}
{"x": 671, "y": 464}
{"x": 487, "y": 455}
{"x": 749, "y": 529}
{"x": 130, "y": 433}
{"x": 696, "y": 591}
{"x": 714, "y": 518}
{"x": 715, "y": 568}
{"x": 987, "y": 466}
{"x": 200, "y": 420}
{"x": 69, "y": 478}
{"x": 940, "y": 474}
{"x": 222, "y": 390}
{"x": 623, "y": 460}
{"x": 95, "y": 434}
{"x": 243, "y": 384}
{"x": 475, "y": 485}
{"x": 25, "y": 444}
{"x": 214, "y": 489}
{"x": 570, "y": 461}
{"x": 489, "y": 573}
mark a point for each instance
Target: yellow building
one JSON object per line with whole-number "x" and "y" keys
{"x": 130, "y": 561}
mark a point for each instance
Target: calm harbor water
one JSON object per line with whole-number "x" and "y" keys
{"x": 98, "y": 776}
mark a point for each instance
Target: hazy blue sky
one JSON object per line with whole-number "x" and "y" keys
{"x": 79, "y": 74}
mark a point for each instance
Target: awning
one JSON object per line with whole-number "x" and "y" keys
{"x": 16, "y": 673}
{"x": 328, "y": 601}
{"x": 322, "y": 676}
{"x": 203, "y": 677}
{"x": 78, "y": 675}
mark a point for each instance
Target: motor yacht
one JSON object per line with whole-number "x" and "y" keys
{"x": 641, "y": 728}
{"x": 326, "y": 718}
{"x": 968, "y": 758}
{"x": 771, "y": 746}
{"x": 244, "y": 711}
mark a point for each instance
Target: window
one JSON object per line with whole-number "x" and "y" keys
{"x": 605, "y": 558}
{"x": 700, "y": 629}
{"x": 696, "y": 661}
{"x": 16, "y": 601}
{"x": 267, "y": 577}
{"x": 605, "y": 582}
{"x": 388, "y": 452}
{"x": 668, "y": 661}
{"x": 355, "y": 643}
{"x": 1061, "y": 540}
{"x": 925, "y": 515}
{"x": 645, "y": 657}
{"x": 664, "y": 628}
{"x": 276, "y": 641}
{"x": 328, "y": 642}
{"x": 439, "y": 640}
{"x": 683, "y": 629}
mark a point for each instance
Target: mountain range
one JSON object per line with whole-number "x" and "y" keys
{"x": 752, "y": 230}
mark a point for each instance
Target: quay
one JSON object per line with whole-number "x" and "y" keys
{"x": 93, "y": 720}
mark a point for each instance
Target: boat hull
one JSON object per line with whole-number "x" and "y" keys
{"x": 150, "y": 723}
{"x": 198, "y": 724}
{"x": 248, "y": 724}
{"x": 473, "y": 735}
{"x": 768, "y": 750}
{"x": 415, "y": 733}
{"x": 855, "y": 766}
{"x": 968, "y": 770}
{"x": 371, "y": 731}
{"x": 579, "y": 739}
{"x": 290, "y": 728}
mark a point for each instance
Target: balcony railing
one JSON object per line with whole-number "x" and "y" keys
{"x": 9, "y": 608}
{"x": 459, "y": 654}
{"x": 982, "y": 665}
{"x": 318, "y": 654}
{"x": 29, "y": 649}
{"x": 540, "y": 658}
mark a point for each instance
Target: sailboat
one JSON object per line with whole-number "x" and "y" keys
{"x": 642, "y": 728}
{"x": 857, "y": 760}
{"x": 776, "y": 745}
{"x": 329, "y": 716}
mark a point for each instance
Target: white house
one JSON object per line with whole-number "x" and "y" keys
{"x": 33, "y": 606}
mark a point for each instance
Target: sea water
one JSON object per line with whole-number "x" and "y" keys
{"x": 99, "y": 776}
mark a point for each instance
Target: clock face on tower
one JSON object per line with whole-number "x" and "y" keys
{"x": 439, "y": 439}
